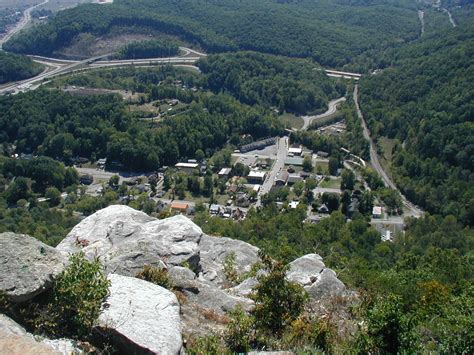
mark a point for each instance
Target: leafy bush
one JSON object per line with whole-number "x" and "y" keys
{"x": 239, "y": 332}
{"x": 387, "y": 328}
{"x": 157, "y": 276}
{"x": 77, "y": 295}
{"x": 308, "y": 334}
{"x": 278, "y": 302}
{"x": 208, "y": 345}
{"x": 230, "y": 272}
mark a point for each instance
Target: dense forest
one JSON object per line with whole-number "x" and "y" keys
{"x": 148, "y": 49}
{"x": 62, "y": 126}
{"x": 331, "y": 32}
{"x": 14, "y": 67}
{"x": 288, "y": 84}
{"x": 425, "y": 104}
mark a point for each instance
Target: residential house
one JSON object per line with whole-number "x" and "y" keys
{"x": 214, "y": 210}
{"x": 377, "y": 212}
{"x": 294, "y": 178}
{"x": 323, "y": 208}
{"x": 242, "y": 199}
{"x": 282, "y": 178}
{"x": 255, "y": 177}
{"x": 293, "y": 204}
{"x": 224, "y": 172}
{"x": 179, "y": 206}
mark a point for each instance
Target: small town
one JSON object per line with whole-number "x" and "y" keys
{"x": 259, "y": 173}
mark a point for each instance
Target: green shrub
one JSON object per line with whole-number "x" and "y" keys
{"x": 208, "y": 345}
{"x": 230, "y": 271}
{"x": 278, "y": 302}
{"x": 157, "y": 276}
{"x": 77, "y": 295}
{"x": 239, "y": 332}
{"x": 308, "y": 334}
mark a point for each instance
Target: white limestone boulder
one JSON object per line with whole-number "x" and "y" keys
{"x": 310, "y": 272}
{"x": 140, "y": 317}
{"x": 27, "y": 266}
{"x": 126, "y": 240}
{"x": 215, "y": 250}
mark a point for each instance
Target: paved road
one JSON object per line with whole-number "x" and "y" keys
{"x": 282, "y": 146}
{"x": 332, "y": 108}
{"x": 48, "y": 74}
{"x": 21, "y": 24}
{"x": 62, "y": 67}
{"x": 411, "y": 210}
{"x": 421, "y": 16}
{"x": 451, "y": 19}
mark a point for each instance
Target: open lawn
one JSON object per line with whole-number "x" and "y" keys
{"x": 321, "y": 168}
{"x": 331, "y": 184}
{"x": 387, "y": 145}
{"x": 292, "y": 121}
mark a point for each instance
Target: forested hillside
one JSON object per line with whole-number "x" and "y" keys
{"x": 62, "y": 126}
{"x": 15, "y": 67}
{"x": 148, "y": 49}
{"x": 331, "y": 32}
{"x": 426, "y": 103}
{"x": 253, "y": 78}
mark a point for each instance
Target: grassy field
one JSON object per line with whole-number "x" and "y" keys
{"x": 219, "y": 199}
{"x": 323, "y": 121}
{"x": 292, "y": 121}
{"x": 322, "y": 167}
{"x": 387, "y": 145}
{"x": 331, "y": 184}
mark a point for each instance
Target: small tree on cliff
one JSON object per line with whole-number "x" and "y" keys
{"x": 278, "y": 302}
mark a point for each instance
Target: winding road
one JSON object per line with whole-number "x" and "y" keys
{"x": 451, "y": 19}
{"x": 411, "y": 209}
{"x": 421, "y": 16}
{"x": 22, "y": 23}
{"x": 332, "y": 108}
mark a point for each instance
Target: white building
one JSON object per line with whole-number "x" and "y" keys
{"x": 188, "y": 168}
{"x": 377, "y": 212}
{"x": 256, "y": 176}
{"x": 293, "y": 204}
{"x": 296, "y": 151}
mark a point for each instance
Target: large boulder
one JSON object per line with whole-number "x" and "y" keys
{"x": 27, "y": 266}
{"x": 215, "y": 250}
{"x": 126, "y": 240}
{"x": 141, "y": 317}
{"x": 319, "y": 281}
{"x": 14, "y": 339}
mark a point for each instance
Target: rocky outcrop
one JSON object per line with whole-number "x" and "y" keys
{"x": 319, "y": 281}
{"x": 213, "y": 253}
{"x": 141, "y": 317}
{"x": 27, "y": 266}
{"x": 126, "y": 240}
{"x": 14, "y": 339}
